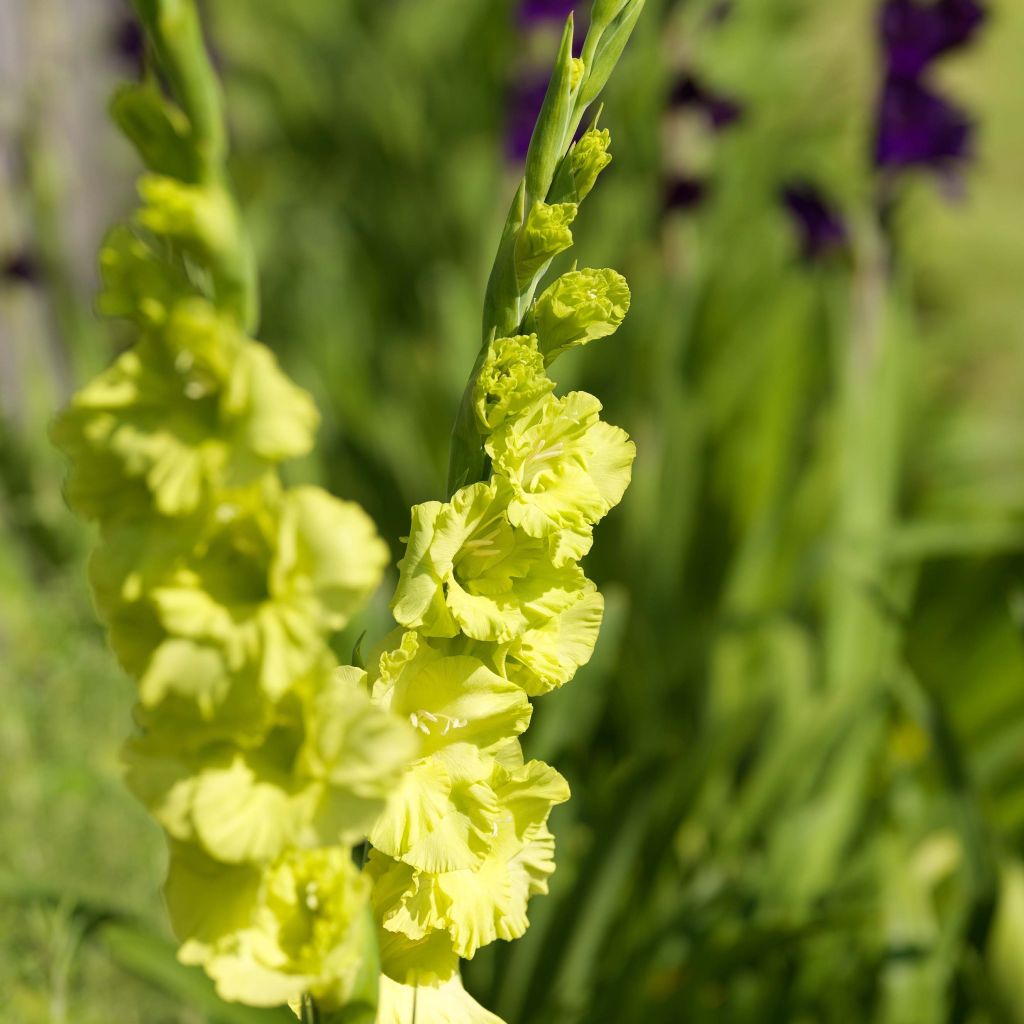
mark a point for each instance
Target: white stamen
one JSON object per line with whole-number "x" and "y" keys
{"x": 312, "y": 899}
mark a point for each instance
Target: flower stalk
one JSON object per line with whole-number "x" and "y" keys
{"x": 492, "y": 603}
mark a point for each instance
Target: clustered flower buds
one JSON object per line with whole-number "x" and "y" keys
{"x": 220, "y": 588}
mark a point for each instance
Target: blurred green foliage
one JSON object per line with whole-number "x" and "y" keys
{"x": 798, "y": 755}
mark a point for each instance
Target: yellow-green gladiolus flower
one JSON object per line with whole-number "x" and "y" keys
{"x": 567, "y": 468}
{"x": 319, "y": 776}
{"x": 467, "y": 570}
{"x": 512, "y": 377}
{"x": 267, "y": 935}
{"x": 577, "y": 308}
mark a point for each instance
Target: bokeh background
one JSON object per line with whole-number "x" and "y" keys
{"x": 797, "y": 758}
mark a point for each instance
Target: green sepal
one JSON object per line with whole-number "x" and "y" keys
{"x": 547, "y": 144}
{"x": 545, "y": 234}
{"x": 577, "y": 308}
{"x": 609, "y": 40}
{"x": 501, "y": 303}
{"x": 158, "y": 130}
{"x": 173, "y": 27}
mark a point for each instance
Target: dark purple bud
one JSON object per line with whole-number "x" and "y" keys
{"x": 687, "y": 92}
{"x": 21, "y": 266}
{"x": 683, "y": 193}
{"x": 128, "y": 42}
{"x": 720, "y": 110}
{"x": 723, "y": 112}
{"x": 533, "y": 12}
{"x": 819, "y": 226}
{"x": 917, "y": 127}
{"x": 719, "y": 12}
{"x": 914, "y": 34}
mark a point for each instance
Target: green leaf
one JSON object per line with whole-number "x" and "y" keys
{"x": 152, "y": 958}
{"x": 139, "y": 949}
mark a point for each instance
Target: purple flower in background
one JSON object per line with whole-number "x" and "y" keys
{"x": 532, "y": 12}
{"x": 720, "y": 12}
{"x": 720, "y": 110}
{"x": 526, "y": 93}
{"x": 525, "y": 101}
{"x": 819, "y": 225}
{"x": 127, "y": 41}
{"x": 914, "y": 34}
{"x": 20, "y": 266}
{"x": 683, "y": 193}
{"x": 917, "y": 127}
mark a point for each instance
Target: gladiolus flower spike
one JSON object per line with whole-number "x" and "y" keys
{"x": 492, "y": 603}
{"x": 220, "y": 587}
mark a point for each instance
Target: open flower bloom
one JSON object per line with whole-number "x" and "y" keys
{"x": 267, "y": 935}
{"x": 567, "y": 468}
{"x": 432, "y": 911}
{"x": 449, "y": 698}
{"x": 466, "y": 569}
{"x": 318, "y": 776}
{"x": 485, "y": 900}
{"x": 547, "y": 656}
{"x": 917, "y": 126}
{"x": 441, "y": 1001}
{"x": 194, "y": 405}
{"x": 914, "y": 33}
{"x": 259, "y": 585}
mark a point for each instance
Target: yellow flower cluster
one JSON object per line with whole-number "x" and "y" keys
{"x": 494, "y": 608}
{"x": 220, "y": 588}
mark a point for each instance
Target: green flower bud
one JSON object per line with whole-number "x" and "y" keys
{"x": 511, "y": 378}
{"x": 544, "y": 235}
{"x": 577, "y": 308}
{"x": 137, "y": 284}
{"x": 196, "y": 216}
{"x": 577, "y": 69}
{"x": 590, "y": 157}
{"x": 158, "y": 129}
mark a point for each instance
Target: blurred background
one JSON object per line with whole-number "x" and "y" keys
{"x": 797, "y": 758}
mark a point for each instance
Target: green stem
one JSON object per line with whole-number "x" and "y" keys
{"x": 176, "y": 34}
{"x": 310, "y": 1013}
